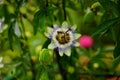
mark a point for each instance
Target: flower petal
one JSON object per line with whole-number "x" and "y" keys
{"x": 51, "y": 46}
{"x": 49, "y": 29}
{"x": 68, "y": 52}
{"x": 56, "y": 26}
{"x": 77, "y": 35}
{"x": 1, "y": 65}
{"x": 60, "y": 53}
{"x": 74, "y": 27}
{"x": 76, "y": 44}
{"x": 47, "y": 34}
{"x": 64, "y": 24}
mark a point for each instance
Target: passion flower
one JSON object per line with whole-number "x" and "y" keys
{"x": 62, "y": 38}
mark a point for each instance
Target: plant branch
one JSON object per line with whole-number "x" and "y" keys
{"x": 64, "y": 11}
{"x": 62, "y": 70}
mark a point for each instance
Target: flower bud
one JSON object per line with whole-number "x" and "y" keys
{"x": 71, "y": 69}
{"x": 44, "y": 56}
{"x": 44, "y": 76}
{"x": 96, "y": 65}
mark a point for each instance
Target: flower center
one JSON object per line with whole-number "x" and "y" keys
{"x": 63, "y": 37}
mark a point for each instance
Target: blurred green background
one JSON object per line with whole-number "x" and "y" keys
{"x": 23, "y": 45}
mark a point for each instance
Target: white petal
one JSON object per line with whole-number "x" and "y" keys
{"x": 76, "y": 44}
{"x": 77, "y": 35}
{"x": 1, "y": 58}
{"x": 74, "y": 27}
{"x": 56, "y": 26}
{"x": 1, "y": 65}
{"x": 64, "y": 24}
{"x": 49, "y": 29}
{"x": 60, "y": 53}
{"x": 47, "y": 34}
{"x": 64, "y": 29}
{"x": 68, "y": 52}
{"x": 51, "y": 46}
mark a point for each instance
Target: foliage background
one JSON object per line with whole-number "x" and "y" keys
{"x": 23, "y": 45}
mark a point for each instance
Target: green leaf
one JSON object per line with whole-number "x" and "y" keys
{"x": 116, "y": 53}
{"x": 106, "y": 25}
{"x": 17, "y": 30}
{"x": 103, "y": 3}
{"x": 45, "y": 45}
{"x": 114, "y": 64}
{"x": 60, "y": 16}
{"x": 69, "y": 17}
{"x": 82, "y": 4}
{"x": 36, "y": 20}
{"x": 44, "y": 76}
{"x": 44, "y": 56}
{"x": 117, "y": 48}
{"x": 110, "y": 5}
{"x": 118, "y": 3}
{"x": 72, "y": 5}
{"x": 106, "y": 16}
{"x": 8, "y": 77}
{"x": 40, "y": 71}
{"x": 43, "y": 18}
{"x": 10, "y": 36}
{"x": 6, "y": 14}
{"x": 1, "y": 11}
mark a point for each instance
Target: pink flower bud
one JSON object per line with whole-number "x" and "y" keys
{"x": 86, "y": 41}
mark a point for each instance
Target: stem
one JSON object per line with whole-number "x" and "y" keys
{"x": 89, "y": 73}
{"x": 62, "y": 70}
{"x": 64, "y": 11}
{"x": 33, "y": 69}
{"x": 46, "y": 3}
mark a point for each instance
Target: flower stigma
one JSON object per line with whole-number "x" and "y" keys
{"x": 63, "y": 37}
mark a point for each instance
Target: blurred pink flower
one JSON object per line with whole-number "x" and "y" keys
{"x": 86, "y": 41}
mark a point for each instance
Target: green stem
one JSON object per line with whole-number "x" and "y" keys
{"x": 64, "y": 11}
{"x": 32, "y": 67}
{"x": 46, "y": 3}
{"x": 62, "y": 70}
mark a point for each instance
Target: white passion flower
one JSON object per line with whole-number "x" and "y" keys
{"x": 1, "y": 64}
{"x": 62, "y": 38}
